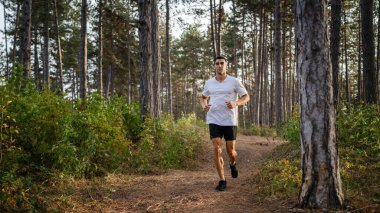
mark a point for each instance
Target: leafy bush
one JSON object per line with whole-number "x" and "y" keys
{"x": 290, "y": 130}
{"x": 166, "y": 143}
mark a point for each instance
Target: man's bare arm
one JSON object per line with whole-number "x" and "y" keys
{"x": 204, "y": 103}
{"x": 241, "y": 101}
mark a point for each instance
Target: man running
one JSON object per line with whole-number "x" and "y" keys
{"x": 220, "y": 101}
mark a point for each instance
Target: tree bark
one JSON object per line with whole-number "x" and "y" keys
{"x": 156, "y": 60}
{"x": 15, "y": 36}
{"x": 168, "y": 62}
{"x": 336, "y": 7}
{"x": 24, "y": 51}
{"x": 59, "y": 50}
{"x": 46, "y": 51}
{"x": 83, "y": 51}
{"x": 7, "y": 72}
{"x": 219, "y": 30}
{"x": 100, "y": 50}
{"x": 321, "y": 184}
{"x": 146, "y": 70}
{"x": 277, "y": 59}
{"x": 212, "y": 28}
{"x": 369, "y": 76}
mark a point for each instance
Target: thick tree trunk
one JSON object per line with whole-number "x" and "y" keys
{"x": 336, "y": 7}
{"x": 24, "y": 51}
{"x": 168, "y": 62}
{"x": 369, "y": 76}
{"x": 83, "y": 51}
{"x": 321, "y": 184}
{"x": 59, "y": 50}
{"x": 277, "y": 59}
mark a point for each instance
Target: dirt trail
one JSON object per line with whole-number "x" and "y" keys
{"x": 186, "y": 191}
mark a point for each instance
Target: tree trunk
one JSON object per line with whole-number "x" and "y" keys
{"x": 378, "y": 53}
{"x": 59, "y": 50}
{"x": 212, "y": 28}
{"x": 156, "y": 60}
{"x": 336, "y": 7}
{"x": 145, "y": 46}
{"x": 6, "y": 43}
{"x": 277, "y": 59}
{"x": 16, "y": 33}
{"x": 46, "y": 51}
{"x": 100, "y": 50}
{"x": 360, "y": 82}
{"x": 219, "y": 31}
{"x": 235, "y": 65}
{"x": 83, "y": 51}
{"x": 36, "y": 62}
{"x": 347, "y": 91}
{"x": 259, "y": 68}
{"x": 168, "y": 62}
{"x": 321, "y": 184}
{"x": 369, "y": 76}
{"x": 24, "y": 51}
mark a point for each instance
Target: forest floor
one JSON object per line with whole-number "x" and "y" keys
{"x": 183, "y": 190}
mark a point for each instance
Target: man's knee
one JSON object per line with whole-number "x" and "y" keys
{"x": 217, "y": 146}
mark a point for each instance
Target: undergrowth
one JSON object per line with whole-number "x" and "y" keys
{"x": 47, "y": 140}
{"x": 358, "y": 136}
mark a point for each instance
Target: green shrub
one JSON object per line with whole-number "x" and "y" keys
{"x": 166, "y": 143}
{"x": 290, "y": 130}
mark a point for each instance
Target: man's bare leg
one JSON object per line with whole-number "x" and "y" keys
{"x": 218, "y": 159}
{"x": 230, "y": 146}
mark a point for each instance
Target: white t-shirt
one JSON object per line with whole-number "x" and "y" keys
{"x": 220, "y": 93}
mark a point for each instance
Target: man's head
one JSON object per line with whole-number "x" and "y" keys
{"x": 220, "y": 65}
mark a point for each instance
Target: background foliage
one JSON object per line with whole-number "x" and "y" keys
{"x": 46, "y": 139}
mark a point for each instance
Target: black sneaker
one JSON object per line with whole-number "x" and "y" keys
{"x": 234, "y": 171}
{"x": 221, "y": 186}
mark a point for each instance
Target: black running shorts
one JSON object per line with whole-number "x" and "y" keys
{"x": 226, "y": 132}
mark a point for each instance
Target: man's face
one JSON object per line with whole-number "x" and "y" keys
{"x": 220, "y": 66}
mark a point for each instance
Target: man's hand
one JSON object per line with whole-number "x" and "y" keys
{"x": 206, "y": 108}
{"x": 231, "y": 104}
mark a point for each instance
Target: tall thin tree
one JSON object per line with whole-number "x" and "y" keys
{"x": 167, "y": 57}
{"x": 6, "y": 41}
{"x": 277, "y": 59}
{"x": 83, "y": 51}
{"x": 100, "y": 50}
{"x": 24, "y": 51}
{"x": 336, "y": 7}
{"x": 369, "y": 76}
{"x": 59, "y": 49}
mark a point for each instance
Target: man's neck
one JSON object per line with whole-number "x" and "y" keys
{"x": 221, "y": 78}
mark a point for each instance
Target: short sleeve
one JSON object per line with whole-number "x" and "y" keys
{"x": 206, "y": 91}
{"x": 240, "y": 89}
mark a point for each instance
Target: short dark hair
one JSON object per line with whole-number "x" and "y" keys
{"x": 220, "y": 57}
